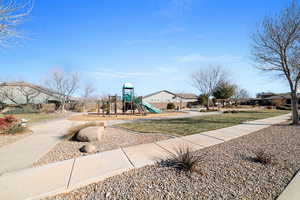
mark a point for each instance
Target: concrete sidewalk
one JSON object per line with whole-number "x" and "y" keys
{"x": 67, "y": 175}
{"x": 25, "y": 152}
{"x": 292, "y": 191}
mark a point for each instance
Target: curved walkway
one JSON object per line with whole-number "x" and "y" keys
{"x": 23, "y": 153}
{"x": 67, "y": 175}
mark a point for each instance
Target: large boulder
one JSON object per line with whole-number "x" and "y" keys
{"x": 88, "y": 148}
{"x": 89, "y": 134}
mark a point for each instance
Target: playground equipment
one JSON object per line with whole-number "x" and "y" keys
{"x": 129, "y": 103}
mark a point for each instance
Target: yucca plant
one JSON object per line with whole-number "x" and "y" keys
{"x": 184, "y": 159}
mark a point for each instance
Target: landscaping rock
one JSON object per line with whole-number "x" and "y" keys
{"x": 88, "y": 148}
{"x": 90, "y": 134}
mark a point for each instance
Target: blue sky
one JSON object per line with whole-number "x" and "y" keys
{"x": 154, "y": 44}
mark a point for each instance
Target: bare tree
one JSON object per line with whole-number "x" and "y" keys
{"x": 207, "y": 79}
{"x": 240, "y": 93}
{"x": 276, "y": 48}
{"x": 11, "y": 15}
{"x": 88, "y": 90}
{"x": 63, "y": 85}
{"x": 8, "y": 93}
{"x": 28, "y": 93}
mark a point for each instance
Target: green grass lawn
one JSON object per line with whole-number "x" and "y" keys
{"x": 187, "y": 126}
{"x": 36, "y": 117}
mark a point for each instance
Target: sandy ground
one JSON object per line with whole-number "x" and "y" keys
{"x": 100, "y": 117}
{"x": 6, "y": 139}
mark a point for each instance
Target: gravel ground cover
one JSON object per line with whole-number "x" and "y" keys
{"x": 228, "y": 172}
{"x": 113, "y": 138}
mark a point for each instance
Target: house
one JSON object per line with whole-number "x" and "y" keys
{"x": 20, "y": 93}
{"x": 269, "y": 98}
{"x": 161, "y": 99}
{"x": 284, "y": 99}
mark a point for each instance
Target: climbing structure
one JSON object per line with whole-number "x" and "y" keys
{"x": 130, "y": 102}
{"x": 128, "y": 97}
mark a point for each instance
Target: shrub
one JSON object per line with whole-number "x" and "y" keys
{"x": 211, "y": 110}
{"x": 170, "y": 106}
{"x": 10, "y": 125}
{"x": 23, "y": 110}
{"x": 231, "y": 111}
{"x": 3, "y": 123}
{"x": 184, "y": 159}
{"x": 15, "y": 128}
{"x": 79, "y": 108}
{"x": 6, "y": 121}
{"x": 263, "y": 157}
{"x": 10, "y": 119}
{"x": 48, "y": 108}
{"x": 283, "y": 108}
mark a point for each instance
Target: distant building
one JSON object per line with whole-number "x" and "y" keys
{"x": 161, "y": 99}
{"x": 20, "y": 93}
{"x": 270, "y": 98}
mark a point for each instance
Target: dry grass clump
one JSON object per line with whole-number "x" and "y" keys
{"x": 184, "y": 159}
{"x": 71, "y": 134}
{"x": 263, "y": 157}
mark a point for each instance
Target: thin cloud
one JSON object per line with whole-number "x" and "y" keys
{"x": 168, "y": 69}
{"x": 200, "y": 58}
{"x": 175, "y": 8}
{"x": 111, "y": 74}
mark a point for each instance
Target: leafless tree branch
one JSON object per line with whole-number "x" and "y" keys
{"x": 207, "y": 79}
{"x": 12, "y": 14}
{"x": 63, "y": 85}
{"x": 276, "y": 48}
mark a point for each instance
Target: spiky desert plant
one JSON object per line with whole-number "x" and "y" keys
{"x": 184, "y": 159}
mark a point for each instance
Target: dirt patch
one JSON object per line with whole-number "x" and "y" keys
{"x": 100, "y": 117}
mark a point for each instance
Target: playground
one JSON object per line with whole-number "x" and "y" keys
{"x": 127, "y": 107}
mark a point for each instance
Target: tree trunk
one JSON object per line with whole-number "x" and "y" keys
{"x": 295, "y": 115}
{"x": 63, "y": 103}
{"x": 207, "y": 104}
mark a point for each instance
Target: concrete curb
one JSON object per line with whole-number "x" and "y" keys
{"x": 292, "y": 191}
{"x": 64, "y": 176}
